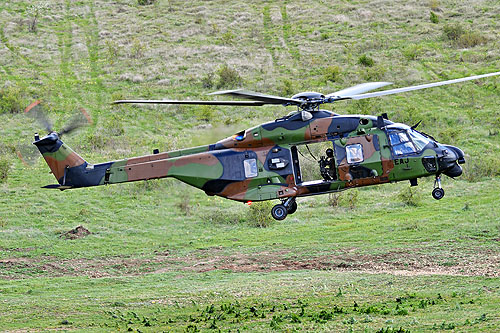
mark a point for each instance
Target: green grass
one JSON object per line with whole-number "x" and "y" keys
{"x": 164, "y": 256}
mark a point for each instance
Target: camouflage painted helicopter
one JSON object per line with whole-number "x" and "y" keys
{"x": 263, "y": 163}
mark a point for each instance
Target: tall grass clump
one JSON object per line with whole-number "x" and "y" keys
{"x": 462, "y": 37}
{"x": 366, "y": 61}
{"x": 434, "y": 18}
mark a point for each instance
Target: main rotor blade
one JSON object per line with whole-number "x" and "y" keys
{"x": 422, "y": 86}
{"x": 358, "y": 89}
{"x": 166, "y": 101}
{"x": 266, "y": 99}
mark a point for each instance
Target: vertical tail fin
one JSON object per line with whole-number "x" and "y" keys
{"x": 59, "y": 157}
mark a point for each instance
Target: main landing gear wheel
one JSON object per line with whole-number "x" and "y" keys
{"x": 438, "y": 193}
{"x": 293, "y": 208}
{"x": 279, "y": 212}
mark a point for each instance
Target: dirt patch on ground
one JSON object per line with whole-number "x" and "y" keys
{"x": 400, "y": 262}
{"x": 78, "y": 232}
{"x": 407, "y": 262}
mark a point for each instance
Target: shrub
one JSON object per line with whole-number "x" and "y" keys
{"x": 34, "y": 12}
{"x": 366, "y": 61}
{"x": 227, "y": 38}
{"x": 461, "y": 37}
{"x": 349, "y": 198}
{"x": 332, "y": 73}
{"x": 334, "y": 199}
{"x": 137, "y": 49}
{"x": 374, "y": 73}
{"x": 145, "y": 2}
{"x": 4, "y": 169}
{"x": 434, "y": 18}
{"x": 412, "y": 52}
{"x": 207, "y": 81}
{"x": 286, "y": 88}
{"x": 113, "y": 51}
{"x": 259, "y": 214}
{"x": 410, "y": 196}
{"x": 228, "y": 77}
{"x": 184, "y": 205}
{"x": 205, "y": 112}
{"x": 11, "y": 99}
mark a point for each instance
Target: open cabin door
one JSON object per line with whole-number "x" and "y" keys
{"x": 358, "y": 158}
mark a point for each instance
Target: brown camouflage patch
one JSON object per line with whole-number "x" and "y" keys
{"x": 319, "y": 128}
{"x": 58, "y": 167}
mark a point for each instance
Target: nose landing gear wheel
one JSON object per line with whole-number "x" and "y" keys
{"x": 279, "y": 212}
{"x": 438, "y": 193}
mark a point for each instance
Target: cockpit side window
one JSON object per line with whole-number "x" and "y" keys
{"x": 354, "y": 153}
{"x": 401, "y": 143}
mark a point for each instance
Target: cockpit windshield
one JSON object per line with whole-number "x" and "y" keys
{"x": 407, "y": 141}
{"x": 418, "y": 139}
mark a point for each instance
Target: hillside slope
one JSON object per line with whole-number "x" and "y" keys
{"x": 163, "y": 256}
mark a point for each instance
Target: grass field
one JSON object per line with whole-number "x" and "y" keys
{"x": 162, "y": 256}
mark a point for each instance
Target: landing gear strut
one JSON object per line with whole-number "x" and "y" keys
{"x": 438, "y": 192}
{"x": 281, "y": 211}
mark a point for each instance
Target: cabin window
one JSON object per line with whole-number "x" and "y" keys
{"x": 401, "y": 144}
{"x": 354, "y": 153}
{"x": 250, "y": 167}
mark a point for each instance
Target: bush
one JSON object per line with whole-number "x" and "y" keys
{"x": 366, "y": 61}
{"x": 207, "y": 81}
{"x": 205, "y": 112}
{"x": 228, "y": 77}
{"x": 434, "y": 18}
{"x": 334, "y": 199}
{"x": 259, "y": 214}
{"x": 227, "y": 38}
{"x": 412, "y": 52}
{"x": 332, "y": 73}
{"x": 286, "y": 88}
{"x": 11, "y": 99}
{"x": 461, "y": 37}
{"x": 410, "y": 196}
{"x": 4, "y": 169}
{"x": 349, "y": 198}
{"x": 145, "y": 2}
{"x": 184, "y": 205}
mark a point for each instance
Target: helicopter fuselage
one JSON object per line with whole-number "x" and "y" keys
{"x": 263, "y": 163}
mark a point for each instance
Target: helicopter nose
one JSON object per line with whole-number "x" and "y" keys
{"x": 449, "y": 159}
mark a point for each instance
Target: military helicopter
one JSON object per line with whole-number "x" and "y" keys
{"x": 263, "y": 162}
